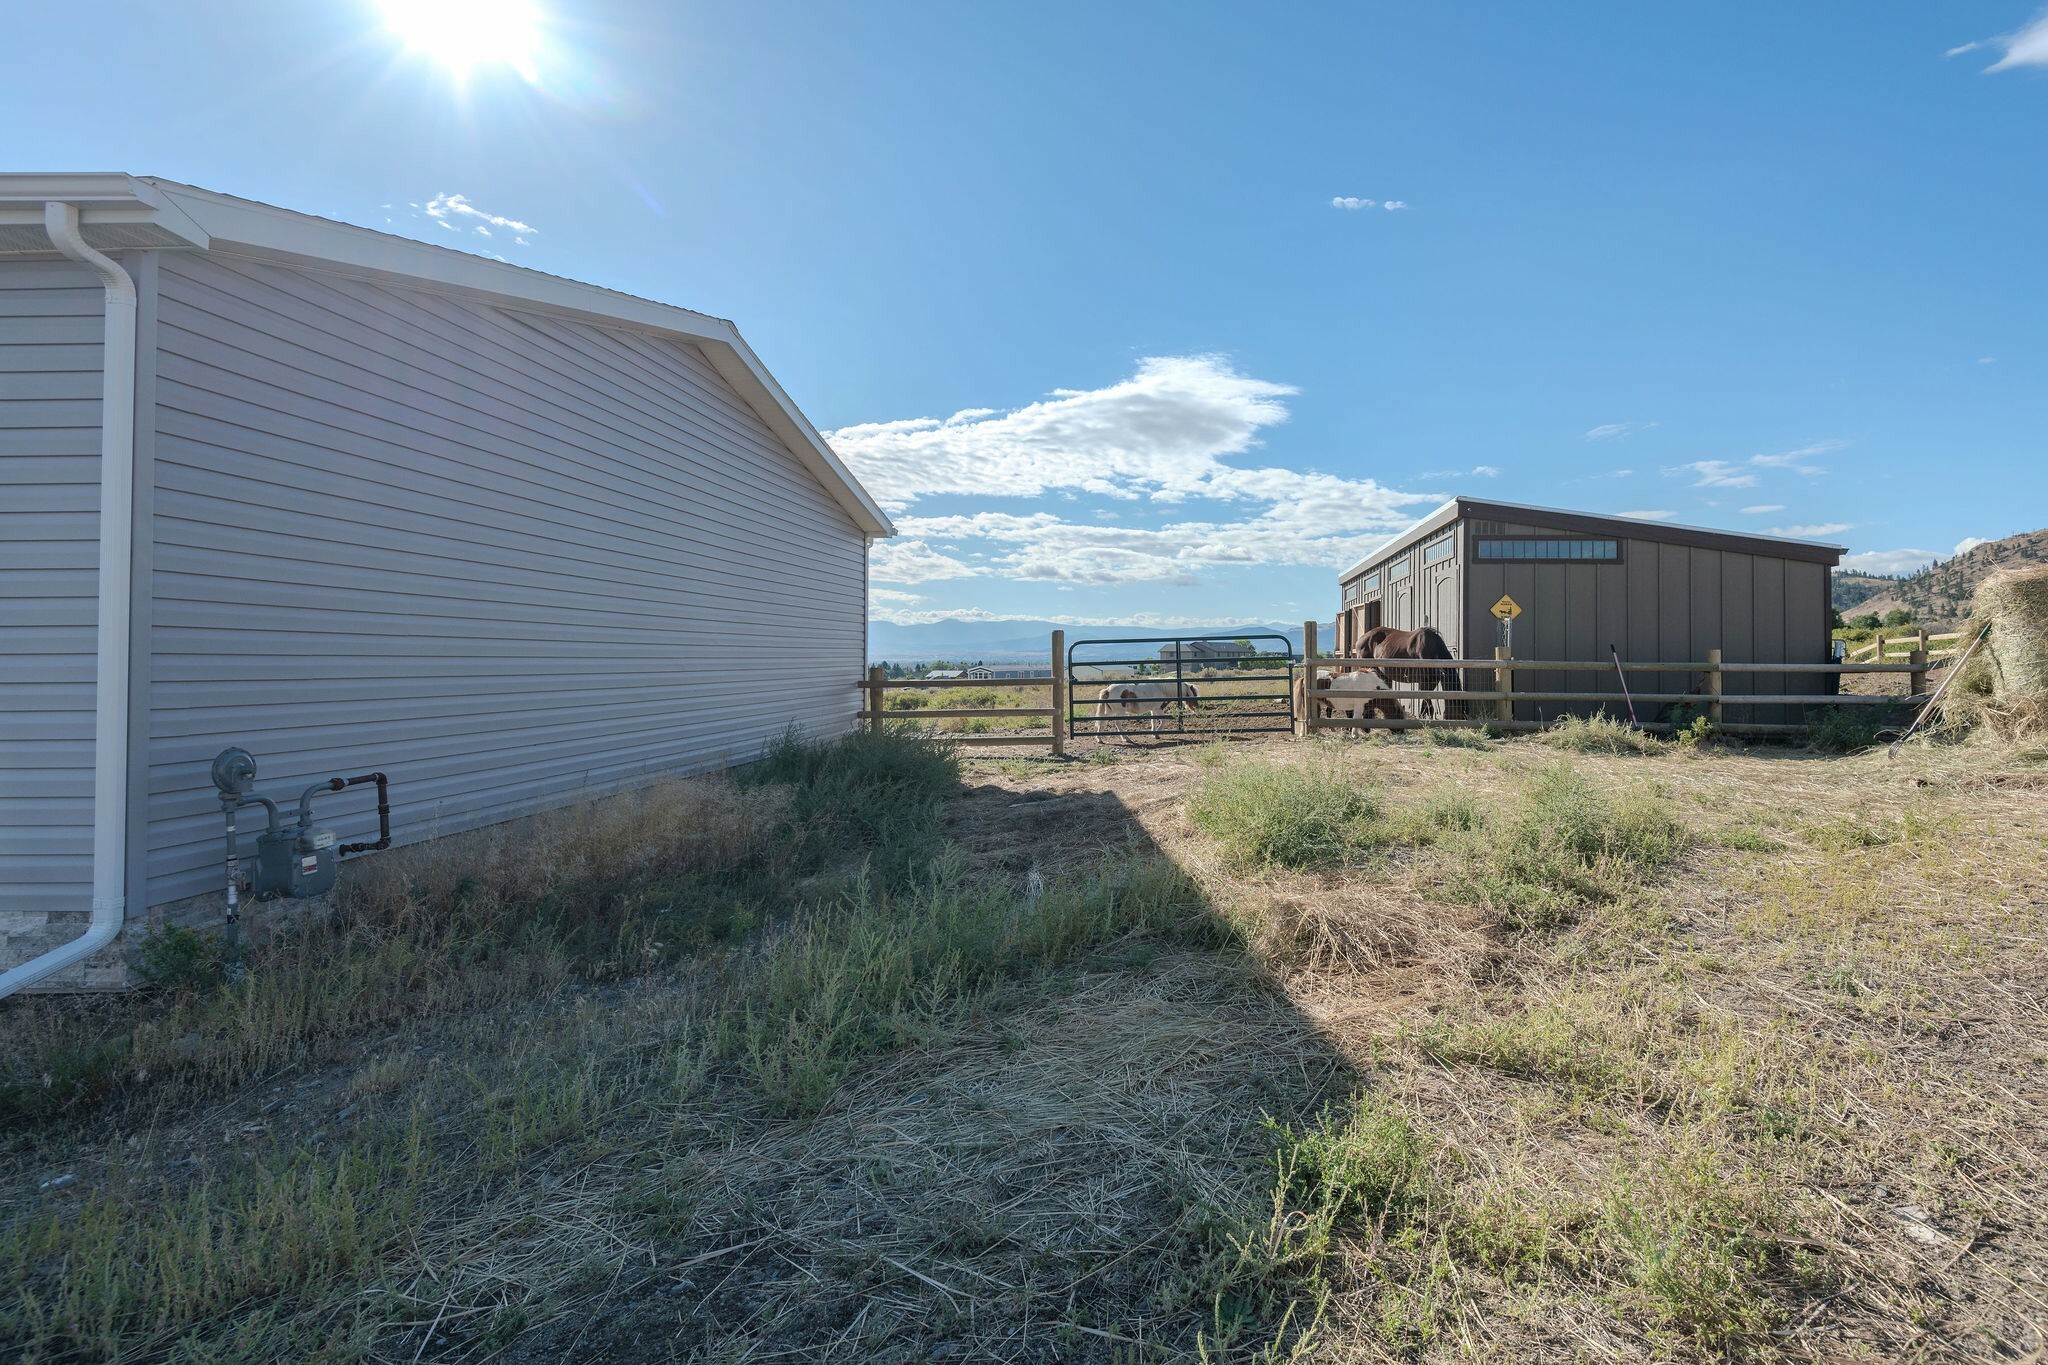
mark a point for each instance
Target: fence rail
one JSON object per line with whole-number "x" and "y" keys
{"x": 1710, "y": 693}
{"x": 878, "y": 684}
{"x": 1940, "y": 646}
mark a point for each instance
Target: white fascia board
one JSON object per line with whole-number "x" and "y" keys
{"x": 104, "y": 199}
{"x": 242, "y": 227}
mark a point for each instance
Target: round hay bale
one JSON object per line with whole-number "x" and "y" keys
{"x": 2006, "y": 685}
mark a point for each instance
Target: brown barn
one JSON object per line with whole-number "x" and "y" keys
{"x": 1653, "y": 591}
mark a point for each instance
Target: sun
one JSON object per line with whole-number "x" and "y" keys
{"x": 465, "y": 35}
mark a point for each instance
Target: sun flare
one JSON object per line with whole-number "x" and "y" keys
{"x": 465, "y": 35}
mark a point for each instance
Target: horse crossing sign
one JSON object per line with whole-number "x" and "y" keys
{"x": 1507, "y": 609}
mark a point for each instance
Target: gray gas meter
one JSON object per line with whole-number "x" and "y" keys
{"x": 295, "y": 858}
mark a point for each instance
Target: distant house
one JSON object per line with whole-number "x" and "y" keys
{"x": 1000, "y": 672}
{"x": 940, "y": 674}
{"x": 1205, "y": 652}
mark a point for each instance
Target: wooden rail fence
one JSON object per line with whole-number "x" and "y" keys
{"x": 1875, "y": 650}
{"x": 879, "y": 684}
{"x": 1710, "y": 695}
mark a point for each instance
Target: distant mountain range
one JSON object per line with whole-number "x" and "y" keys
{"x": 1017, "y": 641}
{"x": 1939, "y": 595}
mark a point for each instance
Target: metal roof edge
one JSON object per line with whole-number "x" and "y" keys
{"x": 1632, "y": 528}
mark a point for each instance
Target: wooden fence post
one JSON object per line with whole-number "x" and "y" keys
{"x": 1308, "y": 677}
{"x": 876, "y": 676}
{"x": 1504, "y": 681}
{"x": 1714, "y": 688}
{"x": 1059, "y": 693}
{"x": 1877, "y": 649}
{"x": 1917, "y": 679}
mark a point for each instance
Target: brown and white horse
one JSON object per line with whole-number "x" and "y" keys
{"x": 1385, "y": 642}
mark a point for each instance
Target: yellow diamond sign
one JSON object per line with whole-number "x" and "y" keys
{"x": 1507, "y": 609}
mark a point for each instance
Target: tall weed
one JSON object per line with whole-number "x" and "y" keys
{"x": 1298, "y": 816}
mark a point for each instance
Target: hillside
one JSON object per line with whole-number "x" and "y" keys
{"x": 1940, "y": 593}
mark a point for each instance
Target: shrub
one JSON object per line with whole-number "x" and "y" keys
{"x": 1565, "y": 847}
{"x": 1694, "y": 733}
{"x": 1599, "y": 734}
{"x": 875, "y": 791}
{"x": 1303, "y": 816}
{"x": 171, "y": 957}
{"x": 1898, "y": 616}
{"x": 1845, "y": 729}
{"x": 1364, "y": 1162}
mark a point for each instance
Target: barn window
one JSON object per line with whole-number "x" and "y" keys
{"x": 1548, "y": 548}
{"x": 1370, "y": 583}
{"x": 1439, "y": 552}
{"x": 1398, "y": 569}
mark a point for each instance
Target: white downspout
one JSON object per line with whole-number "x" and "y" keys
{"x": 117, "y": 548}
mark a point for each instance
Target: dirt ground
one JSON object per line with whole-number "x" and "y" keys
{"x": 1786, "y": 1098}
{"x": 1857, "y": 942}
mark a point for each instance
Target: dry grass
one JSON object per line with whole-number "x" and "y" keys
{"x": 1081, "y": 1081}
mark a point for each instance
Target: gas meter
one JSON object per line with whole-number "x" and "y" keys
{"x": 296, "y": 858}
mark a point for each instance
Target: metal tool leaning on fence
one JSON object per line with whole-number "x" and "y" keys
{"x": 1954, "y": 672}
{"x": 1622, "y": 674}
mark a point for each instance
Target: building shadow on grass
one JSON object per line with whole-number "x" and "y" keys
{"x": 1065, "y": 1167}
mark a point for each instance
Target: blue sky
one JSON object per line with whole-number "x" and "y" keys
{"x": 1114, "y": 305}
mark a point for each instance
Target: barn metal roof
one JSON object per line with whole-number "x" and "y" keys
{"x": 120, "y": 212}
{"x": 1629, "y": 528}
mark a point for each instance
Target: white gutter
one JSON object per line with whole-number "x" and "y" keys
{"x": 117, "y": 530}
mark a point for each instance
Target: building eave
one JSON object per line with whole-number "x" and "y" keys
{"x": 120, "y": 211}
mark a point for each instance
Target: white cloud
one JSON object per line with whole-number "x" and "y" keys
{"x": 1394, "y": 205}
{"x": 1345, "y": 201}
{"x": 1763, "y": 508}
{"x": 2026, "y": 47}
{"x": 1987, "y": 360}
{"x": 1887, "y": 561}
{"x": 903, "y": 560}
{"x": 1818, "y": 531}
{"x": 1969, "y": 543}
{"x": 1160, "y": 433}
{"x": 1795, "y": 460}
{"x": 1659, "y": 515}
{"x": 1612, "y": 430}
{"x": 892, "y": 596}
{"x": 449, "y": 209}
{"x": 1716, "y": 474}
{"x": 1485, "y": 471}
{"x": 1730, "y": 474}
{"x": 1477, "y": 471}
{"x": 1160, "y": 436}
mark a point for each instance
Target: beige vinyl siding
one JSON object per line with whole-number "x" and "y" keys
{"x": 509, "y": 558}
{"x": 51, "y": 325}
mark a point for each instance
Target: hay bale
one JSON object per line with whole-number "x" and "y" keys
{"x": 2006, "y": 685}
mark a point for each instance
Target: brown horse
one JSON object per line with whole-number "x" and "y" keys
{"x": 1385, "y": 642}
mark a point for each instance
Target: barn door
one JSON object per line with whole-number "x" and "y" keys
{"x": 1445, "y": 613}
